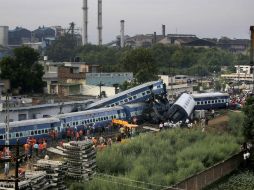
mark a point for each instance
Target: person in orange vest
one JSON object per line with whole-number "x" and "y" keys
{"x": 94, "y": 140}
{"x": 44, "y": 147}
{"x": 80, "y": 134}
{"x": 40, "y": 149}
{"x": 68, "y": 134}
{"x": 26, "y": 148}
{"x": 77, "y": 136}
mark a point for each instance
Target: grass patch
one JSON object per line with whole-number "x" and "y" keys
{"x": 237, "y": 181}
{"x": 163, "y": 158}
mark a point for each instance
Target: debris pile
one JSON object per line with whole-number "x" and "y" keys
{"x": 33, "y": 180}
{"x": 55, "y": 171}
{"x": 80, "y": 157}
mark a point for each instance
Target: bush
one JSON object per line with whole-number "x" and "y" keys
{"x": 163, "y": 158}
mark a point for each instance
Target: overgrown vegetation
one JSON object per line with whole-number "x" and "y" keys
{"x": 237, "y": 181}
{"x": 163, "y": 158}
{"x": 167, "y": 58}
{"x": 249, "y": 119}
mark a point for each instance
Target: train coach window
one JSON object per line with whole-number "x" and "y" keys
{"x": 198, "y": 103}
{"x": 148, "y": 92}
{"x": 39, "y": 132}
{"x": 76, "y": 123}
{"x": 35, "y": 132}
{"x": 130, "y": 98}
{"x": 93, "y": 120}
{"x": 46, "y": 130}
{"x": 125, "y": 100}
{"x": 205, "y": 102}
{"x": 17, "y": 135}
{"x": 21, "y": 134}
{"x": 1, "y": 137}
{"x": 32, "y": 132}
{"x": 143, "y": 93}
{"x": 42, "y": 131}
{"x": 134, "y": 97}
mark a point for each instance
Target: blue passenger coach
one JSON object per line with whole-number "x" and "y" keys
{"x": 38, "y": 128}
{"x": 137, "y": 94}
{"x": 214, "y": 100}
{"x": 96, "y": 118}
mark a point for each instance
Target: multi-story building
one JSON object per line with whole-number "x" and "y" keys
{"x": 243, "y": 73}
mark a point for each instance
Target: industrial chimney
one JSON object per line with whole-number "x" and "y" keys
{"x": 4, "y": 36}
{"x": 122, "y": 34}
{"x": 163, "y": 30}
{"x": 99, "y": 22}
{"x": 154, "y": 38}
{"x": 85, "y": 22}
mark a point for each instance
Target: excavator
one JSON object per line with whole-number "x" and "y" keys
{"x": 126, "y": 128}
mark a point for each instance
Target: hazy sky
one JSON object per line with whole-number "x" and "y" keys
{"x": 205, "y": 18}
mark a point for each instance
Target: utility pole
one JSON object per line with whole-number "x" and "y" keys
{"x": 7, "y": 128}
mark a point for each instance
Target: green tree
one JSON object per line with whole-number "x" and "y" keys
{"x": 63, "y": 49}
{"x": 248, "y": 125}
{"x": 23, "y": 70}
{"x": 141, "y": 63}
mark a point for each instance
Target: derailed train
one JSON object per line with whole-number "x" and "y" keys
{"x": 40, "y": 128}
{"x": 102, "y": 117}
{"x": 117, "y": 107}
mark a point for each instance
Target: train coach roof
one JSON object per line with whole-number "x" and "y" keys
{"x": 99, "y": 110}
{"x": 30, "y": 122}
{"x": 122, "y": 93}
{"x": 134, "y": 105}
{"x": 212, "y": 94}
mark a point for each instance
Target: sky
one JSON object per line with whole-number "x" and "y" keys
{"x": 204, "y": 18}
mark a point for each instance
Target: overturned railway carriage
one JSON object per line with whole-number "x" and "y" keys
{"x": 137, "y": 94}
{"x": 182, "y": 108}
{"x": 208, "y": 101}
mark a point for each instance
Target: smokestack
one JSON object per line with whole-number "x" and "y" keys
{"x": 154, "y": 37}
{"x": 99, "y": 22}
{"x": 85, "y": 22}
{"x": 122, "y": 34}
{"x": 163, "y": 30}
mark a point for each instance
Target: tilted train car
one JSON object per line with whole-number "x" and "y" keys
{"x": 137, "y": 94}
{"x": 182, "y": 108}
{"x": 209, "y": 101}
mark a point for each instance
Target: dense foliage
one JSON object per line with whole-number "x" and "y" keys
{"x": 163, "y": 158}
{"x": 167, "y": 59}
{"x": 237, "y": 181}
{"x": 63, "y": 49}
{"x": 249, "y": 119}
{"x": 23, "y": 70}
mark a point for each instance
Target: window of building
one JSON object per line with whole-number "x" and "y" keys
{"x": 22, "y": 117}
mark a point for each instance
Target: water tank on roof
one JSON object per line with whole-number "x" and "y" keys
{"x": 4, "y": 36}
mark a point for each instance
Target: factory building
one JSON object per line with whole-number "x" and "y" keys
{"x": 108, "y": 79}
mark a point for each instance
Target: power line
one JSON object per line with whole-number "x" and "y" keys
{"x": 115, "y": 182}
{"x": 132, "y": 180}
